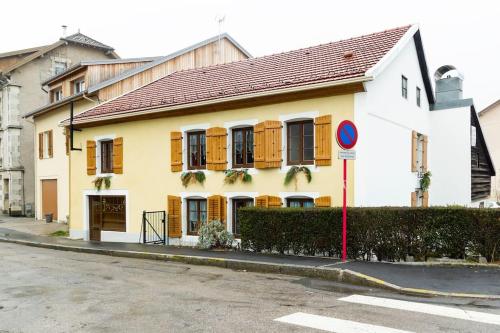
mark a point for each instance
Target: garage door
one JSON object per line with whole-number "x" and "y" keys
{"x": 49, "y": 197}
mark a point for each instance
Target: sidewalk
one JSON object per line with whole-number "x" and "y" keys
{"x": 454, "y": 281}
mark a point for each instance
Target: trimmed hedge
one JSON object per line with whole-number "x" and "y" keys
{"x": 391, "y": 233}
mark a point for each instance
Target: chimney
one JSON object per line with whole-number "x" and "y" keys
{"x": 64, "y": 28}
{"x": 448, "y": 84}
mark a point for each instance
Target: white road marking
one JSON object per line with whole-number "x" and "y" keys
{"x": 333, "y": 324}
{"x": 437, "y": 310}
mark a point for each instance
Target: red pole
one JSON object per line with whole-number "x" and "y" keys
{"x": 344, "y": 216}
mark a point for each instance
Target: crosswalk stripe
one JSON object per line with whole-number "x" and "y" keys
{"x": 437, "y": 310}
{"x": 333, "y": 324}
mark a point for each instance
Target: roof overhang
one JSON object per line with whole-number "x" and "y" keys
{"x": 52, "y": 106}
{"x": 345, "y": 86}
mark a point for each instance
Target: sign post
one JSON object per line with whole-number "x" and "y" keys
{"x": 347, "y": 136}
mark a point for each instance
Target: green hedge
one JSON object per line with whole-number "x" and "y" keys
{"x": 391, "y": 233}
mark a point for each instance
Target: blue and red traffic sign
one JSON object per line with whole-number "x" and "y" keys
{"x": 347, "y": 134}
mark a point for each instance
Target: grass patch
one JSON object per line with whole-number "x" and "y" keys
{"x": 60, "y": 233}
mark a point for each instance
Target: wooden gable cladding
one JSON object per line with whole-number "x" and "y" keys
{"x": 325, "y": 201}
{"x": 176, "y": 151}
{"x": 323, "y": 138}
{"x": 118, "y": 155}
{"x": 267, "y": 144}
{"x": 268, "y": 201}
{"x": 216, "y": 208}
{"x": 174, "y": 216}
{"x": 414, "y": 150}
{"x": 91, "y": 158}
{"x": 216, "y": 148}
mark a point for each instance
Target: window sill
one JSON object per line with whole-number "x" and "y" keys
{"x": 251, "y": 171}
{"x": 105, "y": 175}
{"x": 312, "y": 167}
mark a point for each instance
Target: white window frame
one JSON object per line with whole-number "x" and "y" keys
{"x": 297, "y": 195}
{"x": 79, "y": 85}
{"x": 56, "y": 66}
{"x": 230, "y": 126}
{"x": 185, "y": 158}
{"x": 98, "y": 140}
{"x": 236, "y": 195}
{"x": 289, "y": 118}
{"x": 190, "y": 239}
{"x": 58, "y": 94}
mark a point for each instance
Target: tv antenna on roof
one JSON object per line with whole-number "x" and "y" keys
{"x": 220, "y": 21}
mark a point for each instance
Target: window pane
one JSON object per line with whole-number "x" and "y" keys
{"x": 293, "y": 203}
{"x": 308, "y": 203}
{"x": 249, "y": 148}
{"x": 203, "y": 158}
{"x": 308, "y": 154}
{"x": 294, "y": 129}
{"x": 203, "y": 211}
{"x": 294, "y": 149}
{"x": 308, "y": 142}
{"x": 238, "y": 147}
{"x": 308, "y": 128}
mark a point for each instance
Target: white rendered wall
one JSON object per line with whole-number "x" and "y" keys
{"x": 451, "y": 157}
{"x": 385, "y": 121}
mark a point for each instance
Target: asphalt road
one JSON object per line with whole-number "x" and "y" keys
{"x": 54, "y": 291}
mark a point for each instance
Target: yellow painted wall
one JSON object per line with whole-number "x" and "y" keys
{"x": 56, "y": 167}
{"x": 146, "y": 159}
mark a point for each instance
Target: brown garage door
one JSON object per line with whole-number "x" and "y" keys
{"x": 49, "y": 197}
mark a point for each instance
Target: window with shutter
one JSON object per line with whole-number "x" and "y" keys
{"x": 197, "y": 150}
{"x": 300, "y": 202}
{"x": 197, "y": 215}
{"x": 267, "y": 144}
{"x": 91, "y": 162}
{"x": 217, "y": 148}
{"x": 40, "y": 145}
{"x": 300, "y": 142}
{"x": 414, "y": 199}
{"x": 175, "y": 151}
{"x": 174, "y": 216}
{"x": 414, "y": 151}
{"x": 118, "y": 155}
{"x": 325, "y": 201}
{"x": 323, "y": 135}
{"x": 217, "y": 207}
{"x": 262, "y": 201}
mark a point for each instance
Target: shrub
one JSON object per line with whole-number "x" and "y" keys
{"x": 391, "y": 233}
{"x": 214, "y": 235}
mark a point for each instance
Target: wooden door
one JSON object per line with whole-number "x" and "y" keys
{"x": 49, "y": 197}
{"x": 95, "y": 218}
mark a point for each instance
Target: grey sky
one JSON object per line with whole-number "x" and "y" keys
{"x": 462, "y": 33}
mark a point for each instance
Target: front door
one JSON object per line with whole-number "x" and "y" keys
{"x": 49, "y": 198}
{"x": 95, "y": 218}
{"x": 237, "y": 204}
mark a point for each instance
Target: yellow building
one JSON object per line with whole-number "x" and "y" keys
{"x": 261, "y": 117}
{"x": 89, "y": 83}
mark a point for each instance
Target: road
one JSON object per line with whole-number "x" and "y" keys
{"x": 52, "y": 291}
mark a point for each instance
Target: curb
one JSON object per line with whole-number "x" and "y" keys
{"x": 332, "y": 274}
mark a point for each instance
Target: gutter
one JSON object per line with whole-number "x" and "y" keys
{"x": 159, "y": 109}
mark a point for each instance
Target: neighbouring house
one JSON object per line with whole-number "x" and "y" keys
{"x": 88, "y": 83}
{"x": 490, "y": 122}
{"x": 21, "y": 74}
{"x": 202, "y": 143}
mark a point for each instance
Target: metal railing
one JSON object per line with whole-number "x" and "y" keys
{"x": 154, "y": 227}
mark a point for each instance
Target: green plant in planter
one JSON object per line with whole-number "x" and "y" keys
{"x": 99, "y": 181}
{"x": 192, "y": 177}
{"x": 233, "y": 175}
{"x": 294, "y": 170}
{"x": 425, "y": 181}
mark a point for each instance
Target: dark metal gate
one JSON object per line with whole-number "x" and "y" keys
{"x": 154, "y": 227}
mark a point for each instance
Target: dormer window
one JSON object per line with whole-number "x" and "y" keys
{"x": 56, "y": 95}
{"x": 78, "y": 86}
{"x": 59, "y": 67}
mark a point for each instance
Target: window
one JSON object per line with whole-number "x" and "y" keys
{"x": 404, "y": 87}
{"x": 300, "y": 142}
{"x": 197, "y": 214}
{"x": 300, "y": 202}
{"x": 237, "y": 204}
{"x": 243, "y": 147}
{"x": 197, "y": 150}
{"x": 418, "y": 96}
{"x": 56, "y": 94}
{"x": 78, "y": 86}
{"x": 107, "y": 156}
{"x": 59, "y": 67}
{"x": 45, "y": 148}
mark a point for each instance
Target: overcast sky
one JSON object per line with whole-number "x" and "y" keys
{"x": 462, "y": 33}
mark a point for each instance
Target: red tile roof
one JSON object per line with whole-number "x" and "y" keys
{"x": 335, "y": 61}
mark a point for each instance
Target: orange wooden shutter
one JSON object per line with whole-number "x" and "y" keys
{"x": 262, "y": 201}
{"x": 414, "y": 151}
{"x": 67, "y": 143}
{"x": 174, "y": 216}
{"x": 51, "y": 144}
{"x": 216, "y": 208}
{"x": 424, "y": 153}
{"x": 118, "y": 155}
{"x": 91, "y": 165}
{"x": 175, "y": 151}
{"x": 274, "y": 202}
{"x": 40, "y": 145}
{"x": 217, "y": 148}
{"x": 414, "y": 199}
{"x": 259, "y": 158}
{"x": 425, "y": 200}
{"x": 273, "y": 143}
{"x": 325, "y": 201}
{"x": 323, "y": 133}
